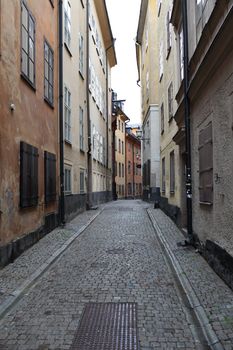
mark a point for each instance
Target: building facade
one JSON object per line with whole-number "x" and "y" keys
{"x": 133, "y": 176}
{"x": 171, "y": 188}
{"x": 210, "y": 64}
{"x": 87, "y": 104}
{"x": 120, "y": 152}
{"x": 29, "y": 147}
{"x": 148, "y": 70}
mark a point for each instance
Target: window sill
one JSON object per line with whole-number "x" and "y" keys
{"x": 25, "y": 78}
{"x": 68, "y": 193}
{"x": 67, "y": 49}
{"x": 168, "y": 52}
{"x": 208, "y": 204}
{"x": 68, "y": 142}
{"x": 161, "y": 77}
{"x": 49, "y": 103}
{"x": 81, "y": 75}
{"x": 82, "y": 151}
{"x": 170, "y": 119}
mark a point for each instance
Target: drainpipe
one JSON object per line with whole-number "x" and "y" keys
{"x": 89, "y": 155}
{"x": 187, "y": 126}
{"x": 62, "y": 196}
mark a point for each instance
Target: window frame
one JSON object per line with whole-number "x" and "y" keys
{"x": 81, "y": 129}
{"x": 50, "y": 51}
{"x": 170, "y": 101}
{"x": 67, "y": 168}
{"x": 81, "y": 54}
{"x": 67, "y": 31}
{"x": 68, "y": 124}
{"x": 82, "y": 181}
{"x": 172, "y": 172}
{"x": 23, "y": 74}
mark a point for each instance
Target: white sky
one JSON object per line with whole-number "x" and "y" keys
{"x": 123, "y": 15}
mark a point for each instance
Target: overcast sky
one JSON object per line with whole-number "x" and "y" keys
{"x": 123, "y": 15}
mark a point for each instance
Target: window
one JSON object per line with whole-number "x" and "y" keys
{"x": 129, "y": 167}
{"x": 123, "y": 171}
{"x": 28, "y": 175}
{"x": 81, "y": 54}
{"x": 146, "y": 45}
{"x": 48, "y": 73}
{"x": 81, "y": 129}
{"x": 67, "y": 115}
{"x": 119, "y": 124}
{"x": 162, "y": 118}
{"x": 170, "y": 101}
{"x": 169, "y": 32}
{"x": 119, "y": 146}
{"x": 119, "y": 169}
{"x": 50, "y": 177}
{"x": 206, "y": 165}
{"x": 28, "y": 45}
{"x": 67, "y": 180}
{"x": 81, "y": 179}
{"x": 122, "y": 147}
{"x": 147, "y": 84}
{"x": 181, "y": 51}
{"x": 159, "y": 6}
{"x": 122, "y": 127}
{"x": 172, "y": 172}
{"x": 115, "y": 143}
{"x": 129, "y": 188}
{"x": 163, "y": 176}
{"x": 161, "y": 61}
{"x": 115, "y": 169}
{"x": 67, "y": 23}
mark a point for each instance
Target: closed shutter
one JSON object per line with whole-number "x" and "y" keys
{"x": 50, "y": 177}
{"x": 206, "y": 165}
{"x": 28, "y": 175}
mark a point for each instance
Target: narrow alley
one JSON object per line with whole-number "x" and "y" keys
{"x": 113, "y": 256}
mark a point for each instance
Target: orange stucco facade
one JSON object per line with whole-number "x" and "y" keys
{"x": 25, "y": 115}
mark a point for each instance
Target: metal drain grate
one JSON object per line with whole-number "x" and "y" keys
{"x": 107, "y": 326}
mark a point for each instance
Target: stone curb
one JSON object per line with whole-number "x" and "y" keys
{"x": 18, "y": 293}
{"x": 208, "y": 332}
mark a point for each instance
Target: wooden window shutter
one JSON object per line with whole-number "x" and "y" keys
{"x": 28, "y": 175}
{"x": 206, "y": 165}
{"x": 50, "y": 177}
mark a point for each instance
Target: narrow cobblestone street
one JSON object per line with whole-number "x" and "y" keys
{"x": 117, "y": 258}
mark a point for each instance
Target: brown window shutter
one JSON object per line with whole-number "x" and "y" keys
{"x": 28, "y": 175}
{"x": 206, "y": 165}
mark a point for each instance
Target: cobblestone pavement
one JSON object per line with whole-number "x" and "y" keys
{"x": 213, "y": 294}
{"x": 116, "y": 259}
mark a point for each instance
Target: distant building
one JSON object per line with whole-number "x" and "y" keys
{"x": 133, "y": 176}
{"x": 120, "y": 164}
{"x": 29, "y": 129}
{"x": 148, "y": 70}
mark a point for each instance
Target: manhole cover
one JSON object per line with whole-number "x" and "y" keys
{"x": 107, "y": 326}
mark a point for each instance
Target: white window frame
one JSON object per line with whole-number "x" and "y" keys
{"x": 82, "y": 180}
{"x": 81, "y": 54}
{"x": 67, "y": 24}
{"x": 161, "y": 61}
{"x": 81, "y": 129}
{"x": 67, "y": 107}
{"x": 68, "y": 180}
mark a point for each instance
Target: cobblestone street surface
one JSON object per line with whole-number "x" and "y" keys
{"x": 117, "y": 258}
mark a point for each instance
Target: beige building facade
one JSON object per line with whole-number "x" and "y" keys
{"x": 148, "y": 70}
{"x": 171, "y": 187}
{"x": 88, "y": 56}
{"x": 210, "y": 59}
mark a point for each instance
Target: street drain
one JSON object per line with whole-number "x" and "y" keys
{"x": 107, "y": 326}
{"x": 116, "y": 251}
